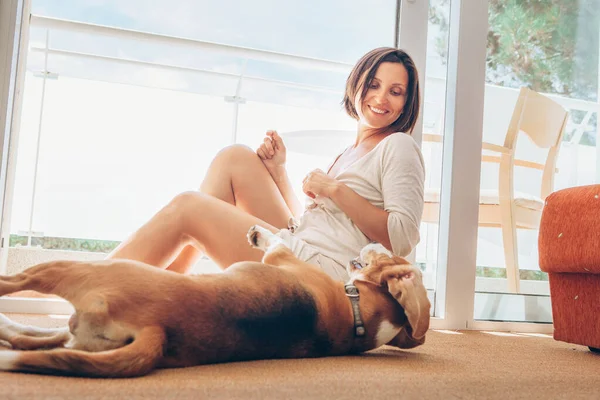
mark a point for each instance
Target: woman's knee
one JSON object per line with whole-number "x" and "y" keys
{"x": 181, "y": 207}
{"x": 235, "y": 153}
{"x": 238, "y": 157}
{"x": 231, "y": 164}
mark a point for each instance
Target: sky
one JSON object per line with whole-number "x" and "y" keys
{"x": 343, "y": 29}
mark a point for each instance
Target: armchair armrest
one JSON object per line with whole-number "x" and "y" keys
{"x": 505, "y": 150}
{"x": 568, "y": 238}
{"x": 435, "y": 138}
{"x": 519, "y": 163}
{"x": 495, "y": 147}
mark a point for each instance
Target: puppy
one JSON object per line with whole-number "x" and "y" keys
{"x": 131, "y": 318}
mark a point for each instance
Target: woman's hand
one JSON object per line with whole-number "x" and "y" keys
{"x": 272, "y": 152}
{"x": 318, "y": 183}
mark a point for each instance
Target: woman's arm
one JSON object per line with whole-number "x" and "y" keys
{"x": 402, "y": 177}
{"x": 400, "y": 173}
{"x": 371, "y": 220}
{"x": 284, "y": 184}
{"x": 273, "y": 155}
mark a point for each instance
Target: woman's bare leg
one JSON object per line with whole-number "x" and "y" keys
{"x": 185, "y": 260}
{"x": 195, "y": 218}
{"x": 236, "y": 176}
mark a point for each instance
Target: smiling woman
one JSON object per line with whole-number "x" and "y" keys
{"x": 372, "y": 193}
{"x": 385, "y": 97}
{"x": 381, "y": 115}
{"x": 382, "y": 84}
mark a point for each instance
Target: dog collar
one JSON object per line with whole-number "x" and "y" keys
{"x": 352, "y": 293}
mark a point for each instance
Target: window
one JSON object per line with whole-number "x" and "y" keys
{"x": 125, "y": 105}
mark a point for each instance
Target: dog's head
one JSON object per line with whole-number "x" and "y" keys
{"x": 398, "y": 278}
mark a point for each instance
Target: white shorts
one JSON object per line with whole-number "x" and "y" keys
{"x": 311, "y": 255}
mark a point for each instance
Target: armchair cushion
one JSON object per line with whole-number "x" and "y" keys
{"x": 569, "y": 238}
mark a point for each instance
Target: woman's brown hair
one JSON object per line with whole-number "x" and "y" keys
{"x": 363, "y": 73}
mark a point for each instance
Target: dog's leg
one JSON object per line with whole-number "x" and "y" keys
{"x": 23, "y": 342}
{"x": 263, "y": 239}
{"x": 138, "y": 358}
{"x": 276, "y": 249}
{"x": 56, "y": 277}
{"x": 43, "y": 278}
{"x": 26, "y": 337}
{"x": 59, "y": 278}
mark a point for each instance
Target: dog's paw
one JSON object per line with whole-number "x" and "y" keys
{"x": 371, "y": 250}
{"x": 8, "y": 360}
{"x": 258, "y": 237}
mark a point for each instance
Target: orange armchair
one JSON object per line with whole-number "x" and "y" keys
{"x": 569, "y": 251}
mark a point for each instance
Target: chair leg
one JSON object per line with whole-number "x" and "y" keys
{"x": 511, "y": 255}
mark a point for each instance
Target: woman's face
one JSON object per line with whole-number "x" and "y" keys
{"x": 385, "y": 98}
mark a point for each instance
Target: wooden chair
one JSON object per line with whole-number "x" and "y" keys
{"x": 543, "y": 121}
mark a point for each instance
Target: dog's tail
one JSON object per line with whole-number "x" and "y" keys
{"x": 135, "y": 359}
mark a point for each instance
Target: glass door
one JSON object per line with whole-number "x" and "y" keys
{"x": 452, "y": 115}
{"x": 552, "y": 48}
{"x": 432, "y": 50}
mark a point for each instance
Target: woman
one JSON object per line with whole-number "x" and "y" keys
{"x": 373, "y": 191}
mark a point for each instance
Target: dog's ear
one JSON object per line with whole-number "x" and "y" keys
{"x": 405, "y": 284}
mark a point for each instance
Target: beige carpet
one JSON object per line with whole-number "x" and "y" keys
{"x": 451, "y": 365}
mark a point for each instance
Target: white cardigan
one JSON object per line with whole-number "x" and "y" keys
{"x": 391, "y": 176}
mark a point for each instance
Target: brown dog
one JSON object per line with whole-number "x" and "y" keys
{"x": 131, "y": 318}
